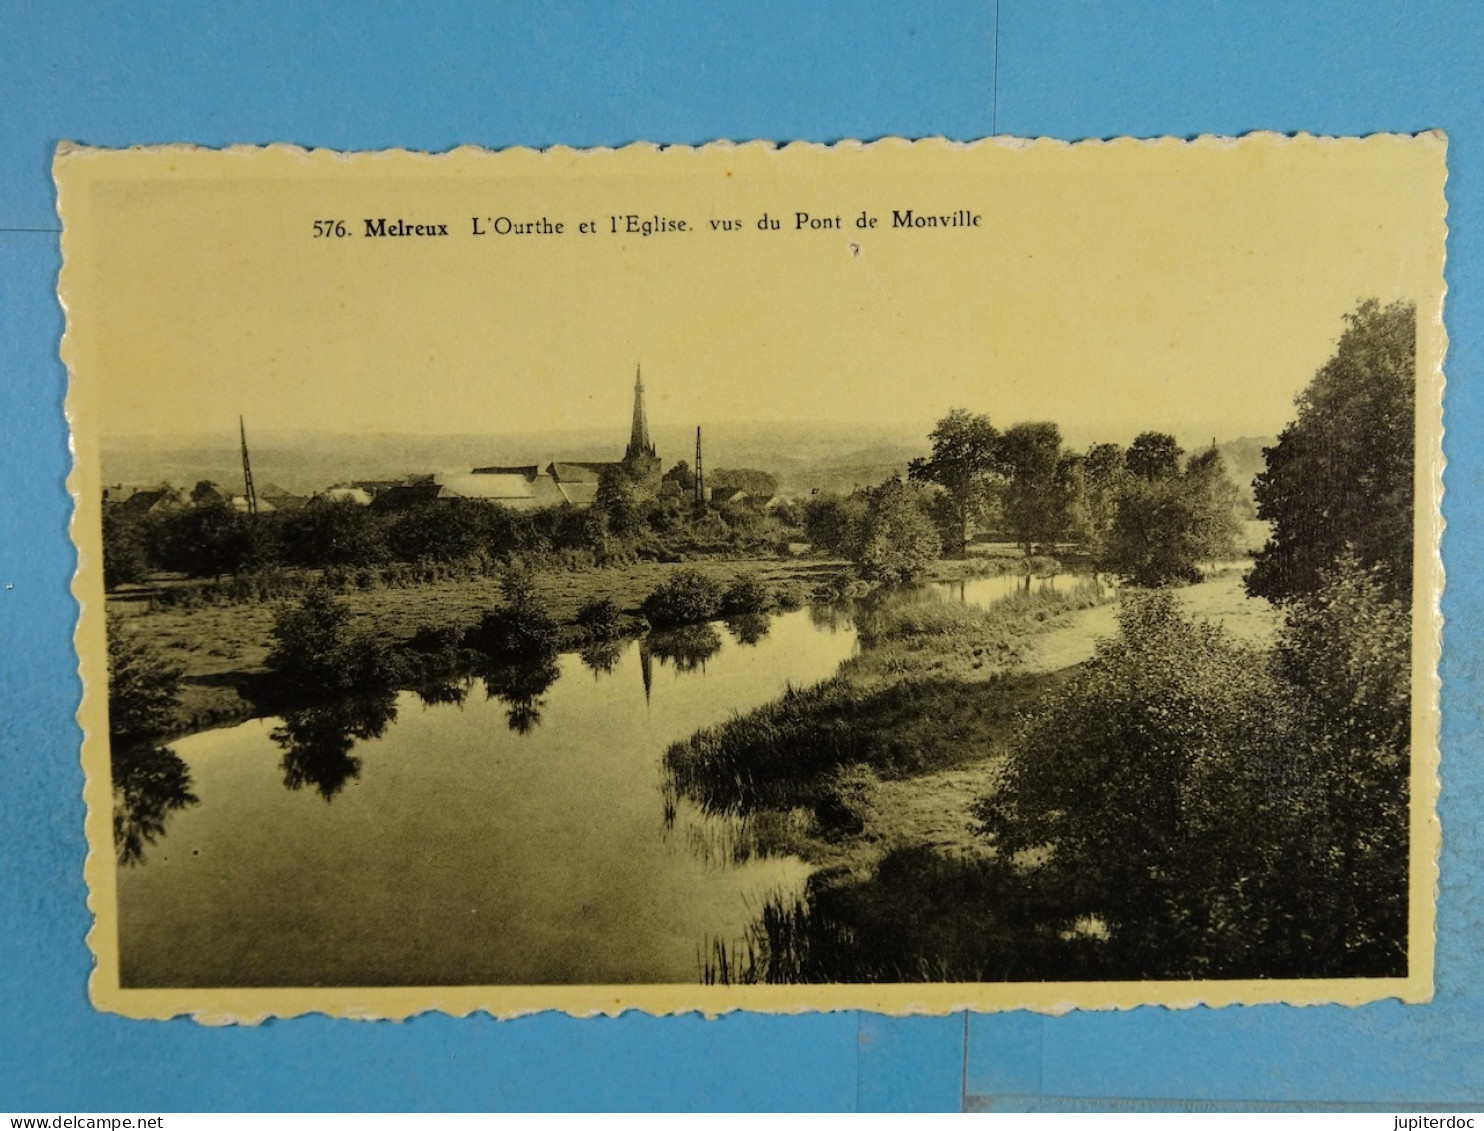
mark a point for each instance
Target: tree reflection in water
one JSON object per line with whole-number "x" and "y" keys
{"x": 520, "y": 687}
{"x": 686, "y": 649}
{"x": 149, "y": 783}
{"x": 445, "y": 692}
{"x": 749, "y": 628}
{"x": 317, "y": 740}
{"x": 837, "y": 616}
{"x": 601, "y": 658}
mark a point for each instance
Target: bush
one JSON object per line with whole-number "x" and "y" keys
{"x": 1221, "y": 811}
{"x": 523, "y": 628}
{"x": 901, "y": 541}
{"x": 599, "y": 618}
{"x": 315, "y": 652}
{"x": 143, "y": 687}
{"x": 748, "y": 593}
{"x": 685, "y": 597}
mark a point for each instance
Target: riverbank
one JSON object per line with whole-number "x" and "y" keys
{"x": 889, "y": 824}
{"x": 222, "y": 647}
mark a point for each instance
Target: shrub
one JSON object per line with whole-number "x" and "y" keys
{"x": 685, "y": 597}
{"x": 599, "y": 618}
{"x": 748, "y": 593}
{"x": 143, "y": 686}
{"x": 316, "y": 652}
{"x": 901, "y": 541}
{"x": 523, "y": 628}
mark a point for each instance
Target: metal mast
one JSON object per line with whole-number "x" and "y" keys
{"x": 249, "y": 492}
{"x": 700, "y": 475}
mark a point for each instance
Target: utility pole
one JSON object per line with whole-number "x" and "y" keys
{"x": 249, "y": 492}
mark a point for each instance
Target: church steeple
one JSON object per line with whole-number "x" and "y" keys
{"x": 639, "y": 442}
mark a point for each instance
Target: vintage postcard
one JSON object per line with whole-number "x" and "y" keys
{"x": 906, "y": 576}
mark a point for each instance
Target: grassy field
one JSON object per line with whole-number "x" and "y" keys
{"x": 892, "y": 753}
{"x": 222, "y": 647}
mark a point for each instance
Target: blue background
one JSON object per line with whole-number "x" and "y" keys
{"x": 365, "y": 76}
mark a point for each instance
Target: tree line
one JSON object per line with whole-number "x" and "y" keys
{"x": 209, "y": 538}
{"x": 1147, "y": 513}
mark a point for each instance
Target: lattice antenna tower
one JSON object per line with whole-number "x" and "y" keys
{"x": 249, "y": 492}
{"x": 700, "y": 475}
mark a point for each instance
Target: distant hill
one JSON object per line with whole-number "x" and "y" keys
{"x": 803, "y": 455}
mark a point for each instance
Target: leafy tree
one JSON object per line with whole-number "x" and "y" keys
{"x": 1104, "y": 474}
{"x": 599, "y": 618}
{"x": 143, "y": 687}
{"x": 207, "y": 539}
{"x": 522, "y": 627}
{"x": 1341, "y": 474}
{"x": 442, "y": 531}
{"x": 761, "y": 485}
{"x": 901, "y": 541}
{"x": 1146, "y": 785}
{"x": 1163, "y": 526}
{"x": 1153, "y": 456}
{"x": 328, "y": 532}
{"x": 1345, "y": 649}
{"x": 836, "y": 524}
{"x": 315, "y": 651}
{"x": 1215, "y": 501}
{"x": 748, "y": 593}
{"x": 620, "y": 501}
{"x": 1037, "y": 494}
{"x": 964, "y": 463}
{"x": 682, "y": 476}
{"x": 125, "y": 548}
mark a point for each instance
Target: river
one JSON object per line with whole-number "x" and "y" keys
{"x": 512, "y": 829}
{"x": 511, "y": 838}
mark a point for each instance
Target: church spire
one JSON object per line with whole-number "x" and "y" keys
{"x": 639, "y": 442}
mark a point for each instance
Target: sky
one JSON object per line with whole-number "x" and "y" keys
{"x": 1112, "y": 287}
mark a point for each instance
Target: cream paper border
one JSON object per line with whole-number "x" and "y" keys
{"x": 76, "y": 168}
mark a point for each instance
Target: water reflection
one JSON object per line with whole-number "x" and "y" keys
{"x": 449, "y": 692}
{"x": 749, "y": 628}
{"x": 837, "y": 616}
{"x": 472, "y": 853}
{"x": 317, "y": 741}
{"x": 149, "y": 783}
{"x": 685, "y": 649}
{"x": 521, "y": 687}
{"x": 601, "y": 658}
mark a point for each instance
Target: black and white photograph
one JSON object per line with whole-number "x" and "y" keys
{"x": 903, "y": 576}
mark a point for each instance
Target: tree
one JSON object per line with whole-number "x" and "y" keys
{"x": 1165, "y": 524}
{"x": 1345, "y": 649}
{"x": 1152, "y": 456}
{"x": 143, "y": 687}
{"x": 1104, "y": 474}
{"x": 334, "y": 532}
{"x": 125, "y": 553}
{"x": 1215, "y": 503}
{"x": 1037, "y": 494}
{"x": 901, "y": 541}
{"x": 619, "y": 500}
{"x": 682, "y": 476}
{"x": 1341, "y": 473}
{"x": 1143, "y": 779}
{"x": 316, "y": 652}
{"x": 963, "y": 463}
{"x": 207, "y": 539}
{"x": 835, "y": 524}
